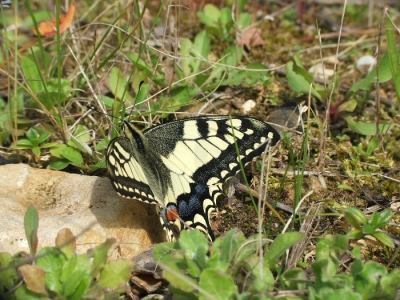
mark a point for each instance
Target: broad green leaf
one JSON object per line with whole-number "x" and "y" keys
{"x": 210, "y": 16}
{"x": 108, "y": 102}
{"x": 381, "y": 219}
{"x": 366, "y": 83}
{"x": 75, "y": 280}
{"x": 118, "y": 83}
{"x": 295, "y": 279}
{"x": 300, "y": 80}
{"x": 33, "y": 136}
{"x": 44, "y": 137}
{"x": 76, "y": 264}
{"x": 384, "y": 239}
{"x": 229, "y": 245}
{"x": 217, "y": 284}
{"x": 59, "y": 164}
{"x": 364, "y": 128}
{"x": 390, "y": 284}
{"x": 115, "y": 273}
{"x": 31, "y": 228}
{"x": 279, "y": 246}
{"x": 32, "y": 74}
{"x": 100, "y": 256}
{"x": 56, "y": 151}
{"x": 355, "y": 217}
{"x": 52, "y": 261}
{"x": 367, "y": 281}
{"x": 8, "y": 274}
{"x": 195, "y": 245}
{"x": 140, "y": 64}
{"x": 72, "y": 155}
{"x": 226, "y": 17}
{"x": 394, "y": 56}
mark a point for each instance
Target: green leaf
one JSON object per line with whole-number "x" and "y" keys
{"x": 279, "y": 246}
{"x": 355, "y": 234}
{"x": 32, "y": 74}
{"x": 44, "y": 137}
{"x": 217, "y": 284}
{"x": 300, "y": 80}
{"x": 355, "y": 217}
{"x": 118, "y": 83}
{"x": 394, "y": 56}
{"x": 346, "y": 187}
{"x": 195, "y": 245}
{"x": 8, "y": 273}
{"x": 52, "y": 261}
{"x": 115, "y": 273}
{"x": 210, "y": 16}
{"x": 295, "y": 279}
{"x": 229, "y": 245}
{"x": 108, "y": 102}
{"x": 225, "y": 17}
{"x": 364, "y": 128}
{"x": 59, "y": 164}
{"x": 381, "y": 219}
{"x": 100, "y": 256}
{"x": 74, "y": 281}
{"x": 366, "y": 83}
{"x": 33, "y": 136}
{"x": 384, "y": 239}
{"x": 72, "y": 155}
{"x": 74, "y": 264}
{"x": 36, "y": 150}
{"x": 390, "y": 284}
{"x": 23, "y": 144}
{"x": 31, "y": 228}
{"x": 140, "y": 64}
{"x": 244, "y": 20}
{"x": 367, "y": 281}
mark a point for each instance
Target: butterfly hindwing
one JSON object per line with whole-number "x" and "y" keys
{"x": 182, "y": 164}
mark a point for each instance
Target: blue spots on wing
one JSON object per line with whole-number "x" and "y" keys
{"x": 193, "y": 203}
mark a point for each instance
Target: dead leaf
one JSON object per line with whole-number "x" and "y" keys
{"x": 34, "y": 278}
{"x": 48, "y": 28}
{"x": 251, "y": 38}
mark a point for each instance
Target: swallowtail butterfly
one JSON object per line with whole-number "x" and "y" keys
{"x": 181, "y": 165}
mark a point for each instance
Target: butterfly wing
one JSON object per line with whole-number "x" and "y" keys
{"x": 127, "y": 176}
{"x": 204, "y": 148}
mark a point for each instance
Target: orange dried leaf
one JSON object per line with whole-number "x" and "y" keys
{"x": 251, "y": 38}
{"x": 48, "y": 28}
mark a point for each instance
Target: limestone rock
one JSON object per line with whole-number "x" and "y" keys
{"x": 87, "y": 205}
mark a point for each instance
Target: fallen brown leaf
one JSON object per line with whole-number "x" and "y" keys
{"x": 48, "y": 28}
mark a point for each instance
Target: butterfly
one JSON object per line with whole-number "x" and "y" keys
{"x": 180, "y": 166}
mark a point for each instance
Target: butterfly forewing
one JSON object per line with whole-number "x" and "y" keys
{"x": 126, "y": 174}
{"x": 204, "y": 147}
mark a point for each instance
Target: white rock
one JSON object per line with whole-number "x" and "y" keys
{"x": 366, "y": 63}
{"x": 248, "y": 105}
{"x": 87, "y": 205}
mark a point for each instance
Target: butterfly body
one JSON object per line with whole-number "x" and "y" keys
{"x": 181, "y": 165}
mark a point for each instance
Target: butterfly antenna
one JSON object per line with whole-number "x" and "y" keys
{"x": 136, "y": 98}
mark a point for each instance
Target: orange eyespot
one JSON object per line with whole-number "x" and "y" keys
{"x": 172, "y": 214}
